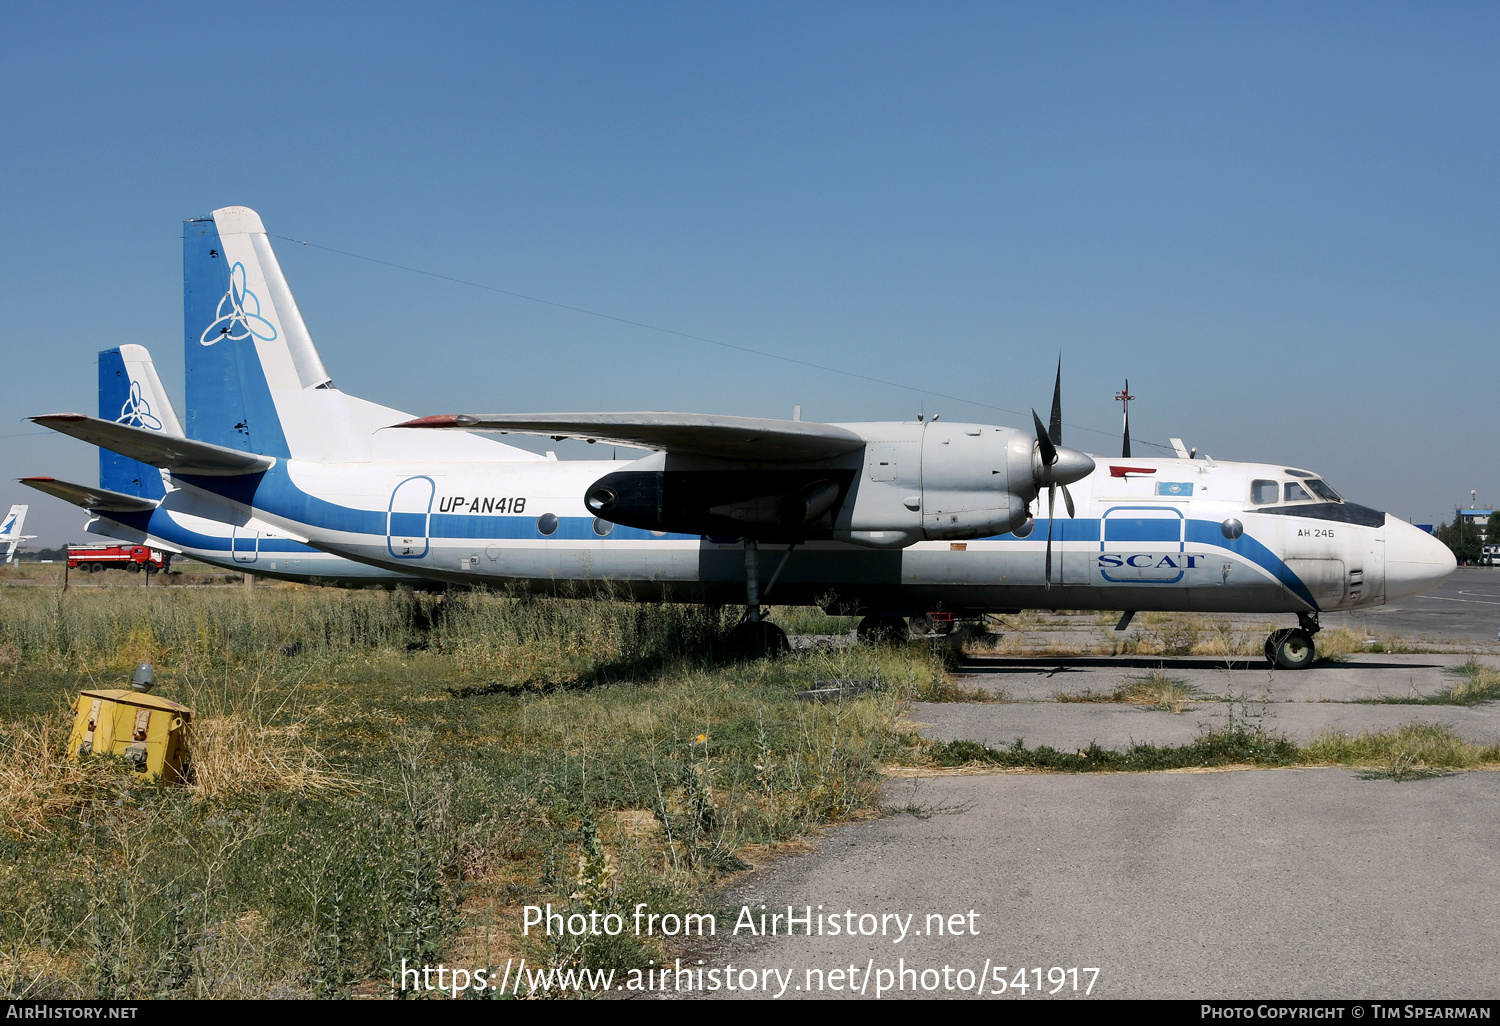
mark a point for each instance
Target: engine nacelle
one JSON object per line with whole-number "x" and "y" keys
{"x": 938, "y": 481}
{"x": 911, "y": 481}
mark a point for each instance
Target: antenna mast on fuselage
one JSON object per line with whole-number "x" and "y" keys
{"x": 1123, "y": 397}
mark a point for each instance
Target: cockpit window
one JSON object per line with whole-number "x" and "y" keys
{"x": 1323, "y": 491}
{"x": 1263, "y": 492}
{"x": 1296, "y": 493}
{"x": 1296, "y": 473}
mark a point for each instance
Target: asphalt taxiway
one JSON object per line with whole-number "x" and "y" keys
{"x": 1310, "y": 883}
{"x": 1255, "y": 884}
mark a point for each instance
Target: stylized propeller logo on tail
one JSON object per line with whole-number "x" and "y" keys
{"x": 137, "y": 412}
{"x": 238, "y": 316}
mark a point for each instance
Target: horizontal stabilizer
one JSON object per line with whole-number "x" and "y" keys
{"x": 180, "y": 455}
{"x": 689, "y": 434}
{"x": 101, "y": 499}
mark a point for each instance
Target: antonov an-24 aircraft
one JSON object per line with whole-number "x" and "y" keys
{"x": 881, "y": 519}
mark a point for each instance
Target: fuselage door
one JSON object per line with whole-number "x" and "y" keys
{"x": 1143, "y": 543}
{"x": 408, "y": 516}
{"x": 244, "y": 543}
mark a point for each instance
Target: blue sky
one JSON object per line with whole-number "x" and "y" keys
{"x": 1279, "y": 221}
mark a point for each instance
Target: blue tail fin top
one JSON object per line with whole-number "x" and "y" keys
{"x": 228, "y": 399}
{"x": 121, "y": 400}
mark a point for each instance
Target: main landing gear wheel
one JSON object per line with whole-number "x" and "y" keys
{"x": 752, "y": 637}
{"x": 1290, "y": 649}
{"x": 756, "y": 639}
{"x": 882, "y": 630}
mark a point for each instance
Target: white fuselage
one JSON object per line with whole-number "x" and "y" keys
{"x": 1139, "y": 541}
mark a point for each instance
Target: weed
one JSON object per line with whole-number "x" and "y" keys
{"x": 1154, "y": 691}
{"x": 812, "y": 620}
{"x": 1218, "y": 748}
{"x": 924, "y": 811}
{"x": 1415, "y": 751}
{"x": 1404, "y": 767}
{"x": 943, "y": 689}
{"x": 1474, "y": 682}
{"x": 1172, "y": 636}
{"x": 1414, "y": 746}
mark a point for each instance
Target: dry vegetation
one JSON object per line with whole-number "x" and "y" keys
{"x": 387, "y": 775}
{"x": 1154, "y": 690}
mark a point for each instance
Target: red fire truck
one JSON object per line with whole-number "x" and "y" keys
{"x": 133, "y": 558}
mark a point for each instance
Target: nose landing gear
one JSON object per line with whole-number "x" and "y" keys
{"x": 1292, "y": 648}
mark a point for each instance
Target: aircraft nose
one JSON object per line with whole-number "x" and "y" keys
{"x": 1414, "y": 560}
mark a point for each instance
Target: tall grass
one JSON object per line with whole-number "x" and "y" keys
{"x": 379, "y": 776}
{"x": 109, "y": 629}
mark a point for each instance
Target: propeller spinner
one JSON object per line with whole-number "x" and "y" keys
{"x": 1056, "y": 466}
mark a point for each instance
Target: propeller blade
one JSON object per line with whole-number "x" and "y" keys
{"x": 1068, "y": 501}
{"x": 1054, "y": 431}
{"x": 1049, "y": 451}
{"x": 1051, "y": 498}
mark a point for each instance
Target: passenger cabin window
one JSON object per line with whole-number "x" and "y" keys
{"x": 1263, "y": 492}
{"x": 1323, "y": 491}
{"x": 1296, "y": 493}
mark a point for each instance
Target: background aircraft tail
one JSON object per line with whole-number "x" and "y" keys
{"x": 10, "y": 530}
{"x": 131, "y": 393}
{"x": 255, "y": 381}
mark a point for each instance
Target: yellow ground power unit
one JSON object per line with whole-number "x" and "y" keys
{"x": 148, "y": 732}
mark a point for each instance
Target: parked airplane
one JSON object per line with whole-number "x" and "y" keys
{"x": 881, "y": 519}
{"x": 10, "y": 531}
{"x": 130, "y": 503}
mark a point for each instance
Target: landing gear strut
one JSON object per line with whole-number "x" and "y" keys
{"x": 1292, "y": 648}
{"x": 753, "y": 636}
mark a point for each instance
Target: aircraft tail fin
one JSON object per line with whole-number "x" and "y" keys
{"x": 131, "y": 393}
{"x": 10, "y": 530}
{"x": 255, "y": 381}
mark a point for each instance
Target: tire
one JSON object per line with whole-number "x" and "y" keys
{"x": 1295, "y": 650}
{"x": 151, "y": 568}
{"x": 96, "y": 568}
{"x": 132, "y": 568}
{"x": 1272, "y": 640}
{"x": 883, "y": 630}
{"x": 758, "y": 640}
{"x": 927, "y": 625}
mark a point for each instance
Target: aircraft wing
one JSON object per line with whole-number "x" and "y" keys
{"x": 182, "y": 455}
{"x": 746, "y": 439}
{"x": 101, "y": 499}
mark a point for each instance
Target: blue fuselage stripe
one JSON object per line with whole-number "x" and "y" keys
{"x": 275, "y": 492}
